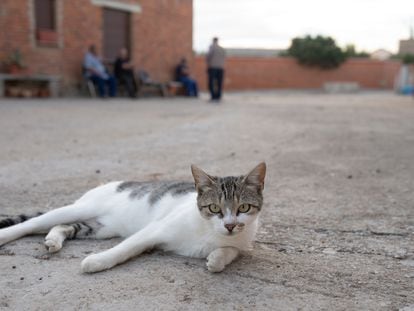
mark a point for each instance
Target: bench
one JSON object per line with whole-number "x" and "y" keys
{"x": 341, "y": 87}
{"x": 175, "y": 88}
{"x": 28, "y": 85}
{"x": 145, "y": 84}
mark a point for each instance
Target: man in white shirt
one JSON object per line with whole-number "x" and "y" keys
{"x": 95, "y": 70}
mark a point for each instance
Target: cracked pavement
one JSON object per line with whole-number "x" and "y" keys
{"x": 337, "y": 227}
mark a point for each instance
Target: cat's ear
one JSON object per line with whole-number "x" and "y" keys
{"x": 202, "y": 179}
{"x": 256, "y": 176}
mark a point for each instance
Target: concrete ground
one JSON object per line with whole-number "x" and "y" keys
{"x": 337, "y": 227}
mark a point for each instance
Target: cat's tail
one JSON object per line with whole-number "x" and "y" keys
{"x": 7, "y": 222}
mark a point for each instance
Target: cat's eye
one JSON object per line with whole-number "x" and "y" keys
{"x": 214, "y": 208}
{"x": 244, "y": 208}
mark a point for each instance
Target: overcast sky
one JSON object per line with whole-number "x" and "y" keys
{"x": 369, "y": 24}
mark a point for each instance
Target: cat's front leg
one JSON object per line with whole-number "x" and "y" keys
{"x": 220, "y": 258}
{"x": 139, "y": 242}
{"x": 97, "y": 262}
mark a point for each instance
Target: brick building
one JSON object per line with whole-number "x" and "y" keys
{"x": 406, "y": 47}
{"x": 52, "y": 35}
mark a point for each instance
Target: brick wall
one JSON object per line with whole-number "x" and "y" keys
{"x": 163, "y": 35}
{"x": 160, "y": 35}
{"x": 243, "y": 73}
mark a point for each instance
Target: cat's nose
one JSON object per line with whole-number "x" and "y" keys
{"x": 230, "y": 227}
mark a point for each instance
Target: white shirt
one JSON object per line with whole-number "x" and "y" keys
{"x": 92, "y": 62}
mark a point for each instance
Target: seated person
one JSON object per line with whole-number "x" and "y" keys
{"x": 124, "y": 72}
{"x": 96, "y": 71}
{"x": 182, "y": 74}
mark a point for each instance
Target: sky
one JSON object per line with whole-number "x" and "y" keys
{"x": 368, "y": 24}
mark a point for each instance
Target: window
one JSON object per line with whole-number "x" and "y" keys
{"x": 45, "y": 21}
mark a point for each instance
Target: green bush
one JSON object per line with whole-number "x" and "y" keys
{"x": 317, "y": 51}
{"x": 408, "y": 59}
{"x": 404, "y": 58}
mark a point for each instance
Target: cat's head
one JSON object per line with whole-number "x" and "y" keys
{"x": 230, "y": 203}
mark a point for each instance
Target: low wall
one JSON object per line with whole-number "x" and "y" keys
{"x": 246, "y": 73}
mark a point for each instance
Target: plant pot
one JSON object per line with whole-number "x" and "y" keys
{"x": 15, "y": 69}
{"x": 27, "y": 93}
{"x": 43, "y": 92}
{"x": 13, "y": 91}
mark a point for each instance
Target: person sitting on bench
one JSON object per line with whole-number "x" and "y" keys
{"x": 124, "y": 72}
{"x": 95, "y": 70}
{"x": 182, "y": 74}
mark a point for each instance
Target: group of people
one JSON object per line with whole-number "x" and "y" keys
{"x": 95, "y": 70}
{"x": 124, "y": 74}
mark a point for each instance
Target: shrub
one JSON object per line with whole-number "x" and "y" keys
{"x": 317, "y": 51}
{"x": 350, "y": 51}
{"x": 408, "y": 59}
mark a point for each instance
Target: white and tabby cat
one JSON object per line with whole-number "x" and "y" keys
{"x": 214, "y": 219}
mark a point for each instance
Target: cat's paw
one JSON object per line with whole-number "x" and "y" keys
{"x": 52, "y": 245}
{"x": 215, "y": 263}
{"x": 94, "y": 263}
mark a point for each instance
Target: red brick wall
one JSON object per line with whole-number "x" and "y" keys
{"x": 244, "y": 73}
{"x": 163, "y": 35}
{"x": 160, "y": 35}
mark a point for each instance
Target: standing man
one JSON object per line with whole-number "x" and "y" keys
{"x": 95, "y": 70}
{"x": 215, "y": 64}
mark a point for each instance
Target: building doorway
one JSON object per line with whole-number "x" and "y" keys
{"x": 116, "y": 33}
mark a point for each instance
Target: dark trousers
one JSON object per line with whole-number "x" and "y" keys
{"x": 215, "y": 82}
{"x": 190, "y": 86}
{"x": 101, "y": 83}
{"x": 128, "y": 80}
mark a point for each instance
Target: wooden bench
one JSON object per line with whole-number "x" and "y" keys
{"x": 28, "y": 82}
{"x": 170, "y": 89}
{"x": 175, "y": 88}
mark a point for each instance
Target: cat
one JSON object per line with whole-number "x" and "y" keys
{"x": 212, "y": 217}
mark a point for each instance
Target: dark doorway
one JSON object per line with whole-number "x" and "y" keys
{"x": 116, "y": 33}
{"x": 45, "y": 14}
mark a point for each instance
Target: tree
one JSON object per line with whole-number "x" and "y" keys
{"x": 317, "y": 51}
{"x": 406, "y": 59}
{"x": 350, "y": 51}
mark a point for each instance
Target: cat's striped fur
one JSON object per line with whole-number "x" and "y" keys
{"x": 7, "y": 222}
